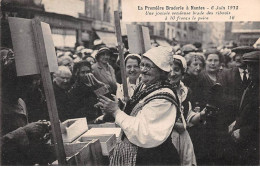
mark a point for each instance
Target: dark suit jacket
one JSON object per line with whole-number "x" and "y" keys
{"x": 248, "y": 122}
{"x": 248, "y": 115}
{"x": 233, "y": 89}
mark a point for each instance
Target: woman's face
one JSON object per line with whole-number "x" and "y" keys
{"x": 212, "y": 63}
{"x": 104, "y": 58}
{"x": 195, "y": 67}
{"x": 150, "y": 73}
{"x": 175, "y": 75}
{"x": 84, "y": 70}
{"x": 132, "y": 69}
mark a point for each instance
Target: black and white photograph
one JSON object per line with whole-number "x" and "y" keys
{"x": 129, "y": 83}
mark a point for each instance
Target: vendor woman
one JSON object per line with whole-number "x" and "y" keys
{"x": 149, "y": 116}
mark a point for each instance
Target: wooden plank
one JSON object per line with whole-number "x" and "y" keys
{"x": 121, "y": 55}
{"x": 41, "y": 57}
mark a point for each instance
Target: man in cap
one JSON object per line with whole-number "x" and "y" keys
{"x": 233, "y": 81}
{"x": 245, "y": 132}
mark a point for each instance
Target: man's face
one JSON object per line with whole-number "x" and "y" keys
{"x": 239, "y": 61}
{"x": 63, "y": 80}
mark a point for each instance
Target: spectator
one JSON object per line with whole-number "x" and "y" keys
{"x": 82, "y": 93}
{"x": 195, "y": 63}
{"x": 245, "y": 130}
{"x": 132, "y": 62}
{"x": 204, "y": 135}
{"x": 61, "y": 85}
{"x": 103, "y": 71}
{"x": 180, "y": 136}
{"x": 234, "y": 81}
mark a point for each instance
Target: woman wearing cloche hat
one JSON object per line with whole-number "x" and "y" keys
{"x": 148, "y": 118}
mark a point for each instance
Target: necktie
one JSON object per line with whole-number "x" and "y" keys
{"x": 245, "y": 81}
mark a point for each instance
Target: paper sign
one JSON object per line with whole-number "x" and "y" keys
{"x": 134, "y": 38}
{"x": 23, "y": 44}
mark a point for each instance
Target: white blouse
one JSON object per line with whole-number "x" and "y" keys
{"x": 152, "y": 124}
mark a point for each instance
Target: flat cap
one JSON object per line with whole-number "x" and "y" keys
{"x": 243, "y": 49}
{"x": 251, "y": 57}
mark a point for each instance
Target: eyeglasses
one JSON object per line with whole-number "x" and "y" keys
{"x": 148, "y": 67}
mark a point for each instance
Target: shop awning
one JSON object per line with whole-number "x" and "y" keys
{"x": 108, "y": 38}
{"x": 162, "y": 42}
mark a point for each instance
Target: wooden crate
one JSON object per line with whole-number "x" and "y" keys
{"x": 103, "y": 125}
{"x": 87, "y": 153}
{"x": 73, "y": 128}
{"x": 103, "y": 131}
{"x": 72, "y": 152}
{"x": 108, "y": 142}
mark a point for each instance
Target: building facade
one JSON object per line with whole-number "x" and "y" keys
{"x": 68, "y": 30}
{"x": 242, "y": 33}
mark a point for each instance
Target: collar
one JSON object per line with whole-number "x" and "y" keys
{"x": 183, "y": 91}
{"x": 242, "y": 70}
{"x": 138, "y": 81}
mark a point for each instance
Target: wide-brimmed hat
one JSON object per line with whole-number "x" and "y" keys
{"x": 182, "y": 60}
{"x": 161, "y": 57}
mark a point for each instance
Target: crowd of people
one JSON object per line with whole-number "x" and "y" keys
{"x": 187, "y": 106}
